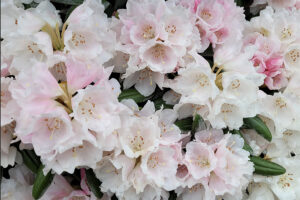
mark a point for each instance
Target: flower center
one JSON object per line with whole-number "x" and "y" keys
{"x": 148, "y": 32}
{"x": 137, "y": 142}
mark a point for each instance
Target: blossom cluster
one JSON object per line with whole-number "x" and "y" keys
{"x": 66, "y": 95}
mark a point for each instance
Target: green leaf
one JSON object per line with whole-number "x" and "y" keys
{"x": 197, "y": 122}
{"x": 239, "y": 3}
{"x": 185, "y": 124}
{"x": 259, "y": 126}
{"x": 41, "y": 183}
{"x": 30, "y": 5}
{"x": 246, "y": 146}
{"x": 105, "y": 3}
{"x": 158, "y": 103}
{"x": 133, "y": 94}
{"x": 68, "y": 2}
{"x": 265, "y": 167}
{"x": 30, "y": 164}
{"x": 173, "y": 195}
{"x": 34, "y": 157}
{"x": 93, "y": 183}
{"x": 70, "y": 10}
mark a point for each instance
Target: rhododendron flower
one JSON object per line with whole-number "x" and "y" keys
{"x": 17, "y": 21}
{"x": 19, "y": 184}
{"x": 200, "y": 159}
{"x": 8, "y": 153}
{"x": 139, "y": 135}
{"x": 144, "y": 81}
{"x": 199, "y": 85}
{"x": 9, "y": 106}
{"x": 79, "y": 99}
{"x": 161, "y": 167}
{"x": 97, "y": 108}
{"x": 284, "y": 186}
{"x": 292, "y": 57}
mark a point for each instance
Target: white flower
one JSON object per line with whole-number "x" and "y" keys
{"x": 242, "y": 87}
{"x": 292, "y": 57}
{"x": 88, "y": 35}
{"x": 197, "y": 192}
{"x": 113, "y": 173}
{"x": 286, "y": 25}
{"x": 284, "y": 186}
{"x": 280, "y": 109}
{"x": 9, "y": 107}
{"x": 260, "y": 191}
{"x": 228, "y": 112}
{"x": 150, "y": 192}
{"x": 160, "y": 166}
{"x": 195, "y": 84}
{"x": 17, "y": 21}
{"x": 144, "y": 81}
{"x": 27, "y": 50}
{"x": 97, "y": 108}
{"x": 139, "y": 135}
{"x": 170, "y": 133}
{"x": 8, "y": 153}
{"x": 19, "y": 184}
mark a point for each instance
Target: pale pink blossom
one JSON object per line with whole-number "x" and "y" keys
{"x": 9, "y": 106}
{"x": 200, "y": 159}
{"x": 160, "y": 166}
{"x": 8, "y": 153}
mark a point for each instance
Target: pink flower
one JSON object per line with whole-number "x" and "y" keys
{"x": 9, "y": 106}
{"x": 268, "y": 60}
{"x": 160, "y": 166}
{"x": 160, "y": 57}
{"x": 200, "y": 159}
{"x": 233, "y": 168}
{"x": 60, "y": 189}
{"x": 218, "y": 21}
{"x": 97, "y": 108}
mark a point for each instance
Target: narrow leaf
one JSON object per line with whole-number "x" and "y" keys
{"x": 68, "y": 2}
{"x": 34, "y": 157}
{"x": 158, "y": 103}
{"x": 259, "y": 126}
{"x": 93, "y": 183}
{"x": 132, "y": 94}
{"x": 105, "y": 3}
{"x": 246, "y": 146}
{"x": 265, "y": 167}
{"x": 173, "y": 195}
{"x": 30, "y": 164}
{"x": 41, "y": 183}
{"x": 185, "y": 124}
{"x": 68, "y": 13}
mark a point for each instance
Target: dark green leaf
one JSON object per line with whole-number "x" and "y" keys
{"x": 93, "y": 183}
{"x": 30, "y": 5}
{"x": 30, "y": 164}
{"x": 34, "y": 157}
{"x": 265, "y": 167}
{"x": 105, "y": 3}
{"x": 158, "y": 103}
{"x": 68, "y": 2}
{"x": 259, "y": 126}
{"x": 239, "y": 2}
{"x": 132, "y": 94}
{"x": 198, "y": 122}
{"x": 173, "y": 195}
{"x": 70, "y": 10}
{"x": 41, "y": 183}
{"x": 185, "y": 124}
{"x": 246, "y": 146}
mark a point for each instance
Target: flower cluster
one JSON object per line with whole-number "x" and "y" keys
{"x": 164, "y": 98}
